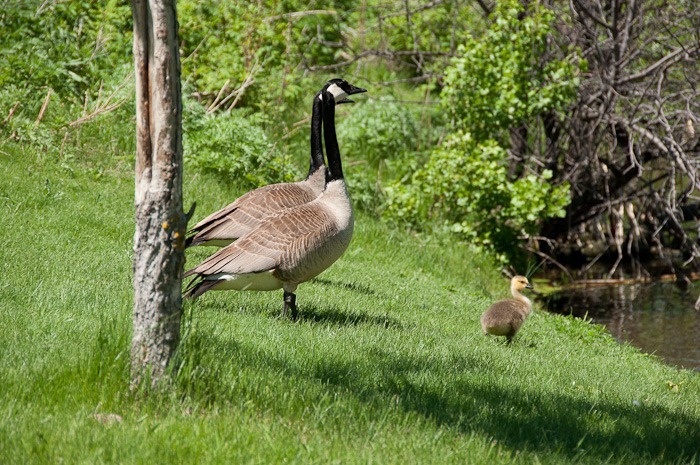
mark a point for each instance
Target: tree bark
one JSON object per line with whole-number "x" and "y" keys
{"x": 160, "y": 220}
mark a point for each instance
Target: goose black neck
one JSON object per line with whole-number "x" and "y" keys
{"x": 317, "y": 160}
{"x": 335, "y": 167}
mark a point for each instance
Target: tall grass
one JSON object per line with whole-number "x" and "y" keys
{"x": 386, "y": 364}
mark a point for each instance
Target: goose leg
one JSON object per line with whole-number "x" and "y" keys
{"x": 290, "y": 302}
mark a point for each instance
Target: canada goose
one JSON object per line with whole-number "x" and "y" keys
{"x": 292, "y": 246}
{"x": 236, "y": 219}
{"x": 505, "y": 317}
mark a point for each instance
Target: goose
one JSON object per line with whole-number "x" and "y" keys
{"x": 291, "y": 246}
{"x": 505, "y": 317}
{"x": 236, "y": 219}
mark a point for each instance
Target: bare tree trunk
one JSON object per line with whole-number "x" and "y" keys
{"x": 160, "y": 220}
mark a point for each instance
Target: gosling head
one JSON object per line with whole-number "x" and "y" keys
{"x": 340, "y": 89}
{"x": 519, "y": 283}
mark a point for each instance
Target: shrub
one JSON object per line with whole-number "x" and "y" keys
{"x": 378, "y": 130}
{"x": 65, "y": 46}
{"x": 232, "y": 145}
{"x": 495, "y": 83}
{"x": 382, "y": 140}
{"x": 465, "y": 187}
{"x": 503, "y": 78}
{"x": 261, "y": 41}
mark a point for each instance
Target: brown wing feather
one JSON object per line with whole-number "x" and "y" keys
{"x": 282, "y": 241}
{"x": 247, "y": 212}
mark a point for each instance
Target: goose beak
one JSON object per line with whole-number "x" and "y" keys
{"x": 352, "y": 90}
{"x": 355, "y": 90}
{"x": 529, "y": 286}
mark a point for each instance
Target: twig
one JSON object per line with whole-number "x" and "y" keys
{"x": 671, "y": 58}
{"x": 196, "y": 49}
{"x": 552, "y": 260}
{"x": 300, "y": 14}
{"x": 106, "y": 106}
{"x": 43, "y": 108}
{"x": 11, "y": 113}
{"x": 584, "y": 283}
{"x": 249, "y": 81}
{"x": 96, "y": 113}
{"x": 214, "y": 105}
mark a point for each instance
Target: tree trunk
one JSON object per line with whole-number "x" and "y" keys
{"x": 160, "y": 220}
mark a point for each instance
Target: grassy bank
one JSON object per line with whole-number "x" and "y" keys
{"x": 386, "y": 365}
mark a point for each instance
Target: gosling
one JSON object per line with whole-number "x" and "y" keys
{"x": 505, "y": 317}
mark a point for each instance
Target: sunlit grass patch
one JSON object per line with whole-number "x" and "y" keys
{"x": 386, "y": 364}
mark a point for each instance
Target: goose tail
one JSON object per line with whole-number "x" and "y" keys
{"x": 198, "y": 286}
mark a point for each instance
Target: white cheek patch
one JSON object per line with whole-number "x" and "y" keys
{"x": 337, "y": 92}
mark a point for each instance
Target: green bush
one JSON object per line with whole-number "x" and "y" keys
{"x": 498, "y": 80}
{"x": 378, "y": 130}
{"x": 66, "y": 46}
{"x": 382, "y": 140}
{"x": 465, "y": 187}
{"x": 75, "y": 57}
{"x": 232, "y": 145}
{"x": 261, "y": 41}
{"x": 502, "y": 78}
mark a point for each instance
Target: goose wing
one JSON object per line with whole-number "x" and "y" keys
{"x": 239, "y": 217}
{"x": 282, "y": 241}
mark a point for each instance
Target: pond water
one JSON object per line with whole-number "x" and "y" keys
{"x": 659, "y": 318}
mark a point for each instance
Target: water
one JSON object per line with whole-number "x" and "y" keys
{"x": 658, "y": 318}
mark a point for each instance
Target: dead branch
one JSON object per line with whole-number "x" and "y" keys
{"x": 11, "y": 113}
{"x": 105, "y": 106}
{"x": 625, "y": 143}
{"x": 44, "y": 106}
{"x": 300, "y": 14}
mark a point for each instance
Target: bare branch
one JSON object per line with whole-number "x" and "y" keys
{"x": 673, "y": 57}
{"x": 300, "y": 14}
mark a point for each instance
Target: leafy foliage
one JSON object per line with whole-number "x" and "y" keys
{"x": 64, "y": 62}
{"x": 66, "y": 46}
{"x": 502, "y": 78}
{"x": 378, "y": 130}
{"x": 232, "y": 145}
{"x": 261, "y": 42}
{"x": 74, "y": 48}
{"x": 382, "y": 140}
{"x": 465, "y": 183}
{"x": 496, "y": 82}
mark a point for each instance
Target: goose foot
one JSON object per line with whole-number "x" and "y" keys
{"x": 290, "y": 302}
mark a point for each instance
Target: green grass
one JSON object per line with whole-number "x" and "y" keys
{"x": 386, "y": 364}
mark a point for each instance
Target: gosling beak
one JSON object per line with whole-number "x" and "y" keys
{"x": 529, "y": 286}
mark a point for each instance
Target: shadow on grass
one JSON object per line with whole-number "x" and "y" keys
{"x": 449, "y": 394}
{"x": 308, "y": 312}
{"x": 555, "y": 423}
{"x": 354, "y": 287}
{"x": 338, "y": 317}
{"x": 532, "y": 419}
{"x": 540, "y": 421}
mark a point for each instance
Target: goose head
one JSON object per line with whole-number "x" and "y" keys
{"x": 518, "y": 283}
{"x": 340, "y": 89}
